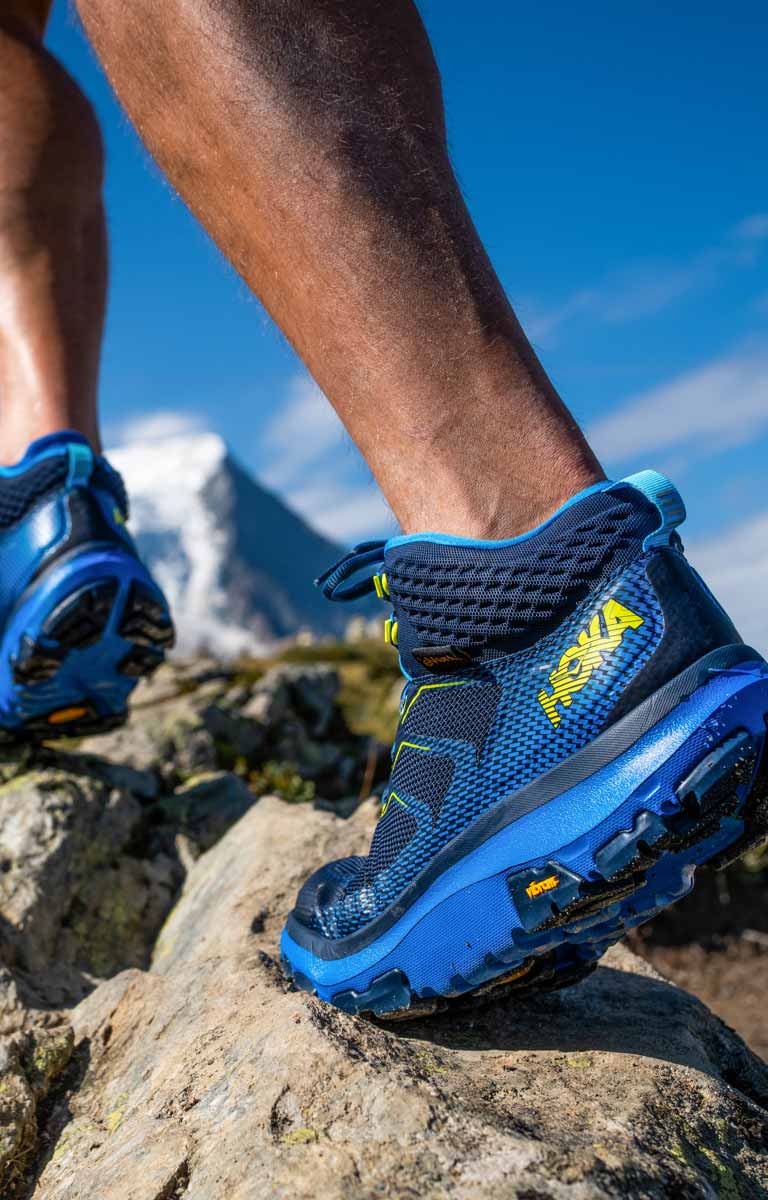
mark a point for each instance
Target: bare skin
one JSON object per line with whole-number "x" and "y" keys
{"x": 53, "y": 259}
{"x": 309, "y": 138}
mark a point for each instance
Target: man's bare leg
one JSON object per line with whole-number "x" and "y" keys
{"x": 308, "y": 136}
{"x": 52, "y": 241}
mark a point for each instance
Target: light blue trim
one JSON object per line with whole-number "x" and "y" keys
{"x": 665, "y": 498}
{"x": 80, "y": 464}
{"x": 50, "y": 446}
{"x": 20, "y": 467}
{"x": 446, "y": 539}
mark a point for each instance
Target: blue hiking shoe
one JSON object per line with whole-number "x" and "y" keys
{"x": 581, "y": 728}
{"x": 81, "y": 618}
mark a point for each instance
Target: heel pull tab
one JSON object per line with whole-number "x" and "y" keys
{"x": 665, "y": 498}
{"x": 80, "y": 465}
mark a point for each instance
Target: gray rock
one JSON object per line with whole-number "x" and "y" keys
{"x": 136, "y": 745}
{"x": 167, "y": 734}
{"x": 190, "y": 724}
{"x": 205, "y": 807}
{"x": 195, "y": 725}
{"x": 307, "y": 692}
{"x": 74, "y": 902}
{"x": 209, "y": 1079}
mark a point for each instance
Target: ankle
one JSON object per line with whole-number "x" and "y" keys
{"x": 16, "y": 438}
{"x": 502, "y": 501}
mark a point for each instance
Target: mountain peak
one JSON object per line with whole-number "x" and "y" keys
{"x": 178, "y": 461}
{"x": 235, "y": 562}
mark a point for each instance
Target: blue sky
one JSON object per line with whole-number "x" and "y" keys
{"x": 614, "y": 159}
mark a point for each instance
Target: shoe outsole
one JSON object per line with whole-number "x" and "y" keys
{"x": 719, "y": 811}
{"x": 72, "y": 673}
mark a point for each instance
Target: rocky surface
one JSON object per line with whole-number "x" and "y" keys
{"x": 75, "y": 901}
{"x": 197, "y": 1073}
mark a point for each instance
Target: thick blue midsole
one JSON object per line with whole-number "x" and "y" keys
{"x": 468, "y": 914}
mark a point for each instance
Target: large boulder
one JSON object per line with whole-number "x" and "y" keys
{"x": 76, "y": 900}
{"x": 207, "y": 1078}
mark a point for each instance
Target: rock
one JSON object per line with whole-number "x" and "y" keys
{"x": 18, "y": 1125}
{"x": 168, "y": 733}
{"x": 208, "y": 722}
{"x": 74, "y": 901}
{"x": 303, "y": 727}
{"x": 284, "y": 721}
{"x": 208, "y": 1078}
{"x": 13, "y": 1010}
{"x": 307, "y": 691}
{"x": 205, "y": 807}
{"x": 135, "y": 745}
{"x": 28, "y": 1069}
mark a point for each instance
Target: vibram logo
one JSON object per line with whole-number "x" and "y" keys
{"x": 537, "y": 887}
{"x": 574, "y": 671}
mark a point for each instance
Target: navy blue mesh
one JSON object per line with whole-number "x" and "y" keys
{"x": 457, "y": 712}
{"x": 393, "y": 833}
{"x": 423, "y": 776}
{"x": 321, "y": 888}
{"x": 495, "y": 600}
{"x": 19, "y": 493}
{"x": 520, "y": 744}
{"x": 460, "y": 713}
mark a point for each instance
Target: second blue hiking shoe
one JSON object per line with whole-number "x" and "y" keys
{"x": 582, "y": 727}
{"x": 81, "y": 619}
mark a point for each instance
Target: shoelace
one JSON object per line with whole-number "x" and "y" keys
{"x": 333, "y": 582}
{"x": 334, "y": 586}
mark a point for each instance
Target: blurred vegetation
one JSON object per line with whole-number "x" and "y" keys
{"x": 281, "y": 779}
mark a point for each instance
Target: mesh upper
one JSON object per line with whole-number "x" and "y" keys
{"x": 466, "y": 741}
{"x": 490, "y": 601}
{"x": 20, "y": 493}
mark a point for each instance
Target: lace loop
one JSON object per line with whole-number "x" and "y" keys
{"x": 333, "y": 583}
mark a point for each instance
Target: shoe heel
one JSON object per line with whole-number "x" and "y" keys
{"x": 75, "y": 650}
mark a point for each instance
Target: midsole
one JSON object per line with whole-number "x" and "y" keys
{"x": 540, "y": 831}
{"x": 584, "y": 765}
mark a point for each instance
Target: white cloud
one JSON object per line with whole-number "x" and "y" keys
{"x": 714, "y": 407}
{"x": 309, "y": 459}
{"x": 156, "y": 426}
{"x": 345, "y": 513}
{"x": 304, "y": 431}
{"x": 735, "y": 565}
{"x": 643, "y": 289}
{"x": 754, "y": 228}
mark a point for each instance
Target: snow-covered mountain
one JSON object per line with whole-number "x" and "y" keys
{"x": 236, "y": 564}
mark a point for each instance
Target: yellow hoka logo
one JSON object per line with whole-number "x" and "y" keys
{"x": 537, "y": 888}
{"x": 606, "y": 631}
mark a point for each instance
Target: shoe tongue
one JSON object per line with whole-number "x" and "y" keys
{"x": 51, "y": 441}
